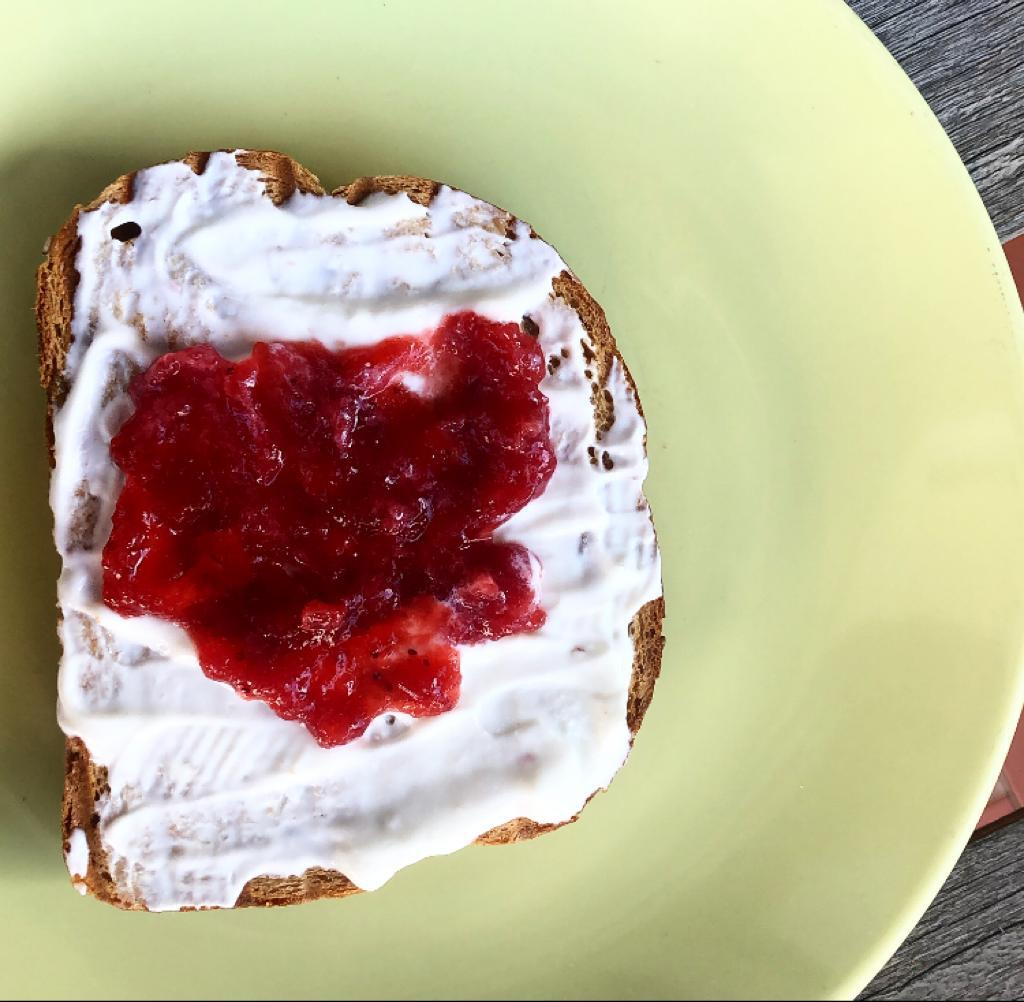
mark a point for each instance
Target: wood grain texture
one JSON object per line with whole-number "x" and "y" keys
{"x": 970, "y": 943}
{"x": 967, "y": 59}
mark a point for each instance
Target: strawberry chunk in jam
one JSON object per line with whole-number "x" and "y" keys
{"x": 321, "y": 522}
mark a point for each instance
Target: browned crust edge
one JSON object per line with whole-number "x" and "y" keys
{"x": 84, "y": 782}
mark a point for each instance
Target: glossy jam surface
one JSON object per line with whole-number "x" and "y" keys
{"x": 320, "y": 522}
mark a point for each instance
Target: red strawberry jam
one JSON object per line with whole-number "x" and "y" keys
{"x": 321, "y": 522}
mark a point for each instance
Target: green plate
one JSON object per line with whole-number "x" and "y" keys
{"x": 827, "y": 343}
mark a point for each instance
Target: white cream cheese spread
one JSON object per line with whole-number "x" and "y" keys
{"x": 208, "y": 790}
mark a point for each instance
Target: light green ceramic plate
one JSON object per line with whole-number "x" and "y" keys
{"x": 827, "y": 343}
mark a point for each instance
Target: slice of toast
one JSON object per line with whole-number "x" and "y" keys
{"x": 86, "y": 780}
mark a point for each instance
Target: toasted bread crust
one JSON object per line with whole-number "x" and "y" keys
{"x": 85, "y": 783}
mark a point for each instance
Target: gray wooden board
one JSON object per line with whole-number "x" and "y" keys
{"x": 970, "y": 943}
{"x": 967, "y": 59}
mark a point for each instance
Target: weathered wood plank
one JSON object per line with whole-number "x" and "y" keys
{"x": 967, "y": 59}
{"x": 970, "y": 943}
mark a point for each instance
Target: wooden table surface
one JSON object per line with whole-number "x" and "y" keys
{"x": 967, "y": 59}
